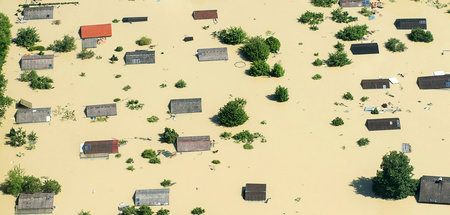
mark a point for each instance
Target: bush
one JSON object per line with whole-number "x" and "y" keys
{"x": 232, "y": 35}
{"x": 134, "y": 104}
{"x": 338, "y": 59}
{"x": 225, "y": 135}
{"x": 244, "y": 137}
{"x": 273, "y": 43}
{"x": 126, "y": 88}
{"x": 281, "y": 93}
{"x": 116, "y": 21}
{"x": 233, "y": 113}
{"x": 154, "y": 160}
{"x": 42, "y": 83}
{"x": 163, "y": 211}
{"x": 113, "y": 58}
{"x": 145, "y": 210}
{"x": 374, "y": 111}
{"x": 27, "y": 37}
{"x": 364, "y": 98}
{"x": 32, "y": 137}
{"x": 351, "y": 33}
{"x": 17, "y": 137}
{"x": 143, "y": 41}
{"x": 180, "y": 84}
{"x": 86, "y": 54}
{"x": 419, "y": 35}
{"x": 394, "y": 45}
{"x": 323, "y": 3}
{"x": 5, "y": 41}
{"x": 318, "y": 62}
{"x": 82, "y": 212}
{"x": 347, "y": 96}
{"x": 338, "y": 121}
{"x": 31, "y": 184}
{"x": 340, "y": 16}
{"x": 67, "y": 44}
{"x": 198, "y": 211}
{"x": 118, "y": 49}
{"x": 152, "y": 119}
{"x": 215, "y": 161}
{"x": 259, "y": 68}
{"x": 366, "y": 12}
{"x": 116, "y": 100}
{"x": 317, "y": 77}
{"x": 339, "y": 46}
{"x": 148, "y": 153}
{"x": 131, "y": 168}
{"x": 247, "y": 146}
{"x": 13, "y": 183}
{"x": 311, "y": 18}
{"x": 363, "y": 141}
{"x": 166, "y": 183}
{"x": 255, "y": 49}
{"x": 51, "y": 186}
{"x": 277, "y": 71}
{"x": 169, "y": 136}
{"x": 36, "y": 48}
{"x": 129, "y": 160}
{"x": 118, "y": 155}
{"x": 117, "y": 76}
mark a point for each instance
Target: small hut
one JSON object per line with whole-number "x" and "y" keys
{"x": 101, "y": 110}
{"x": 95, "y": 31}
{"x": 408, "y": 24}
{"x": 383, "y": 124}
{"x": 99, "y": 148}
{"x": 34, "y": 115}
{"x": 187, "y": 39}
{"x": 151, "y": 197}
{"x": 353, "y": 3}
{"x": 38, "y": 13}
{"x": 364, "y": 48}
{"x": 434, "y": 82}
{"x": 36, "y": 62}
{"x": 140, "y": 57}
{"x": 25, "y": 104}
{"x": 37, "y": 203}
{"x": 193, "y": 105}
{"x": 375, "y": 84}
{"x": 193, "y": 144}
{"x": 434, "y": 189}
{"x": 135, "y": 19}
{"x": 255, "y": 192}
{"x": 212, "y": 54}
{"x": 205, "y": 14}
{"x": 89, "y": 43}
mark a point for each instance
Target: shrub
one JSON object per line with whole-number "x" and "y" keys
{"x": 281, "y": 93}
{"x": 259, "y": 68}
{"x": 338, "y": 121}
{"x": 163, "y": 211}
{"x": 83, "y": 74}
{"x": 394, "y": 45}
{"x": 115, "y": 21}
{"x": 232, "y": 35}
{"x": 166, "y": 183}
{"x": 31, "y": 184}
{"x": 145, "y": 210}
{"x": 113, "y": 58}
{"x": 163, "y": 85}
{"x": 198, "y": 211}
{"x": 255, "y": 49}
{"x": 154, "y": 160}
{"x": 13, "y": 183}
{"x": 364, "y": 98}
{"x": 131, "y": 168}
{"x": 117, "y": 76}
{"x": 317, "y": 77}
{"x": 41, "y": 53}
{"x": 129, "y": 160}
{"x": 247, "y": 146}
{"x": 312, "y": 19}
{"x": 169, "y": 135}
{"x": 419, "y": 35}
{"x": 273, "y": 43}
{"x": 340, "y": 16}
{"x": 363, "y": 141}
{"x": 318, "y": 62}
{"x": 42, "y": 83}
{"x": 86, "y": 54}
{"x": 339, "y": 46}
{"x": 347, "y": 96}
{"x": 116, "y": 100}
{"x": 350, "y": 33}
{"x": 118, "y": 155}
{"x": 82, "y": 212}
{"x": 27, "y": 37}
{"x": 126, "y": 88}
{"x": 67, "y": 44}
{"x": 32, "y": 137}
{"x": 180, "y": 84}
{"x": 365, "y": 11}
{"x": 338, "y": 59}
{"x": 134, "y": 104}
{"x": 225, "y": 135}
{"x": 244, "y": 137}
{"x": 27, "y": 76}
{"x": 148, "y": 153}
{"x": 118, "y": 49}
{"x": 143, "y": 41}
{"x": 17, "y": 137}
{"x": 51, "y": 186}
{"x": 36, "y": 48}
{"x": 215, "y": 161}
{"x": 323, "y": 3}
{"x": 152, "y": 119}
{"x": 374, "y": 111}
{"x": 233, "y": 113}
{"x": 277, "y": 71}
{"x": 5, "y": 41}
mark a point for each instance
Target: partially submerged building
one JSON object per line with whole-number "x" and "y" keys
{"x": 193, "y": 144}
{"x": 33, "y": 115}
{"x": 135, "y": 19}
{"x": 102, "y": 110}
{"x": 255, "y": 192}
{"x": 383, "y": 124}
{"x": 353, "y": 3}
{"x": 375, "y": 84}
{"x": 24, "y": 104}
{"x": 37, "y": 203}
{"x": 89, "y": 43}
{"x": 193, "y": 105}
{"x": 140, "y": 57}
{"x": 408, "y": 24}
{"x": 212, "y": 54}
{"x": 95, "y": 31}
{"x": 434, "y": 189}
{"x": 151, "y": 197}
{"x": 434, "y": 82}
{"x": 31, "y": 13}
{"x": 36, "y": 62}
{"x": 99, "y": 148}
{"x": 205, "y": 14}
{"x": 364, "y": 48}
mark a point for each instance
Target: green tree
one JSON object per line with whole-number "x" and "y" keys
{"x": 340, "y": 16}
{"x": 42, "y": 83}
{"x": 338, "y": 59}
{"x": 27, "y": 37}
{"x": 394, "y": 45}
{"x": 180, "y": 84}
{"x": 82, "y": 212}
{"x": 338, "y": 121}
{"x": 148, "y": 153}
{"x": 281, "y": 93}
{"x": 318, "y": 62}
{"x": 13, "y": 183}
{"x": 347, "y": 96}
{"x": 32, "y": 137}
{"x": 231, "y": 35}
{"x": 323, "y": 3}
{"x": 198, "y": 211}
{"x": 163, "y": 211}
{"x": 169, "y": 135}
{"x": 5, "y": 41}
{"x": 86, "y": 54}
{"x": 351, "y": 33}
{"x": 143, "y": 41}
{"x": 311, "y": 18}
{"x": 118, "y": 49}
{"x": 255, "y": 49}
{"x": 273, "y": 43}
{"x": 259, "y": 68}
{"x": 67, "y": 44}
{"x": 130, "y": 211}
{"x": 145, "y": 210}
{"x": 233, "y": 113}
{"x": 420, "y": 35}
{"x": 395, "y": 181}
{"x": 339, "y": 46}
{"x": 17, "y": 137}
{"x": 277, "y": 71}
{"x": 31, "y": 184}
{"x": 363, "y": 141}
{"x": 166, "y": 183}
{"x": 51, "y": 186}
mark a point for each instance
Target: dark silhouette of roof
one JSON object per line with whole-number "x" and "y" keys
{"x": 33, "y": 115}
{"x": 434, "y": 82}
{"x": 383, "y": 124}
{"x": 101, "y": 146}
{"x": 408, "y": 24}
{"x": 212, "y": 54}
{"x": 364, "y": 48}
{"x": 135, "y": 19}
{"x": 101, "y": 110}
{"x": 375, "y": 84}
{"x": 205, "y": 14}
{"x": 34, "y": 202}
{"x": 255, "y": 192}
{"x": 151, "y": 197}
{"x": 36, "y": 62}
{"x": 140, "y": 57}
{"x": 434, "y": 189}
{"x": 193, "y": 105}
{"x": 193, "y": 143}
{"x": 90, "y": 31}
{"x": 38, "y": 13}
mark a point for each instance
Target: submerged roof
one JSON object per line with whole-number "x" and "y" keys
{"x": 434, "y": 82}
{"x": 152, "y": 197}
{"x": 90, "y": 31}
{"x": 33, "y": 115}
{"x": 140, "y": 57}
{"x": 135, "y": 19}
{"x": 364, "y": 48}
{"x": 375, "y": 84}
{"x": 25, "y": 103}
{"x": 31, "y": 13}
{"x": 193, "y": 105}
{"x": 255, "y": 192}
{"x": 212, "y": 54}
{"x": 101, "y": 110}
{"x": 434, "y": 189}
{"x": 193, "y": 143}
{"x": 101, "y": 146}
{"x": 383, "y": 124}
{"x": 35, "y": 201}
{"x": 411, "y": 23}
{"x": 89, "y": 43}
{"x": 36, "y": 62}
{"x": 351, "y": 3}
{"x": 205, "y": 14}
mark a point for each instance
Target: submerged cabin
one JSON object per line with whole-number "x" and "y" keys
{"x": 152, "y": 197}
{"x": 89, "y": 43}
{"x": 205, "y": 14}
{"x": 36, "y": 62}
{"x": 193, "y": 144}
{"x": 212, "y": 54}
{"x": 383, "y": 124}
{"x": 101, "y": 110}
{"x": 375, "y": 84}
{"x": 95, "y": 31}
{"x": 135, "y": 19}
{"x": 37, "y": 203}
{"x": 38, "y": 13}
{"x": 364, "y": 48}
{"x": 434, "y": 189}
{"x": 33, "y": 115}
{"x": 24, "y": 103}
{"x": 140, "y": 57}
{"x": 408, "y": 24}
{"x": 434, "y": 82}
{"x": 99, "y": 148}
{"x": 193, "y": 105}
{"x": 255, "y": 192}
{"x": 187, "y": 39}
{"x": 353, "y": 3}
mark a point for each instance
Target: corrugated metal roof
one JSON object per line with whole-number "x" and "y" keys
{"x": 38, "y": 13}
{"x": 36, "y": 62}
{"x": 33, "y": 115}
{"x": 89, "y": 43}
{"x": 101, "y": 146}
{"x": 193, "y": 143}
{"x": 212, "y": 54}
{"x": 152, "y": 197}
{"x": 193, "y": 105}
{"x": 101, "y": 110}
{"x": 434, "y": 82}
{"x": 375, "y": 84}
{"x": 35, "y": 201}
{"x": 411, "y": 23}
{"x": 255, "y": 192}
{"x": 140, "y": 57}
{"x": 434, "y": 189}
{"x": 90, "y": 31}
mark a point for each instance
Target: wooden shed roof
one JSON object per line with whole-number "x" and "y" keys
{"x": 101, "y": 110}
{"x": 193, "y": 143}
{"x": 375, "y": 84}
{"x": 255, "y": 192}
{"x": 36, "y": 62}
{"x": 38, "y": 13}
{"x": 140, "y": 57}
{"x": 25, "y": 103}
{"x": 152, "y": 197}
{"x": 205, "y": 14}
{"x": 33, "y": 115}
{"x": 193, "y": 105}
{"x": 90, "y": 31}
{"x": 101, "y": 147}
{"x": 434, "y": 189}
{"x": 434, "y": 82}
{"x": 364, "y": 48}
{"x": 383, "y": 124}
{"x": 35, "y": 201}
{"x": 212, "y": 54}
{"x": 89, "y": 43}
{"x": 411, "y": 23}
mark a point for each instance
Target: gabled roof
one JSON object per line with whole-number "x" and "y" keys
{"x": 434, "y": 82}
{"x": 411, "y": 23}
{"x": 193, "y": 105}
{"x": 383, "y": 124}
{"x": 36, "y": 62}
{"x": 35, "y": 201}
{"x": 255, "y": 192}
{"x": 89, "y": 43}
{"x": 375, "y": 84}
{"x": 33, "y": 115}
{"x": 90, "y": 31}
{"x": 212, "y": 54}
{"x": 38, "y": 13}
{"x": 364, "y": 48}
{"x": 101, "y": 110}
{"x": 193, "y": 143}
{"x": 205, "y": 14}
{"x": 140, "y": 57}
{"x": 101, "y": 146}
{"x": 25, "y": 103}
{"x": 151, "y": 197}
{"x": 434, "y": 189}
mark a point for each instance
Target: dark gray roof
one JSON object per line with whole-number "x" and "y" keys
{"x": 255, "y": 192}
{"x": 212, "y": 54}
{"x": 151, "y": 197}
{"x": 193, "y": 143}
{"x": 33, "y": 115}
{"x": 135, "y": 19}
{"x": 140, "y": 57}
{"x": 375, "y": 84}
{"x": 351, "y": 3}
{"x": 35, "y": 201}
{"x": 38, "y": 13}
{"x": 193, "y": 105}
{"x": 101, "y": 110}
{"x": 36, "y": 62}
{"x": 383, "y": 124}
{"x": 89, "y": 43}
{"x": 434, "y": 82}
{"x": 407, "y": 24}
{"x": 364, "y": 48}
{"x": 434, "y": 189}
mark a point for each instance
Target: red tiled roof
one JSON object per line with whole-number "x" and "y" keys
{"x": 90, "y": 31}
{"x": 205, "y": 14}
{"x": 102, "y": 146}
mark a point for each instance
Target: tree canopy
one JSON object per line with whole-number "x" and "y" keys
{"x": 324, "y": 3}
{"x": 5, "y": 41}
{"x": 231, "y": 35}
{"x": 67, "y": 44}
{"x": 351, "y": 33}
{"x": 273, "y": 43}
{"x": 169, "y": 135}
{"x": 420, "y": 35}
{"x": 259, "y": 68}
{"x": 255, "y": 49}
{"x": 27, "y": 37}
{"x": 233, "y": 113}
{"x": 394, "y": 45}
{"x": 340, "y": 16}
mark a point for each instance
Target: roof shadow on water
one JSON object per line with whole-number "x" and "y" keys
{"x": 363, "y": 186}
